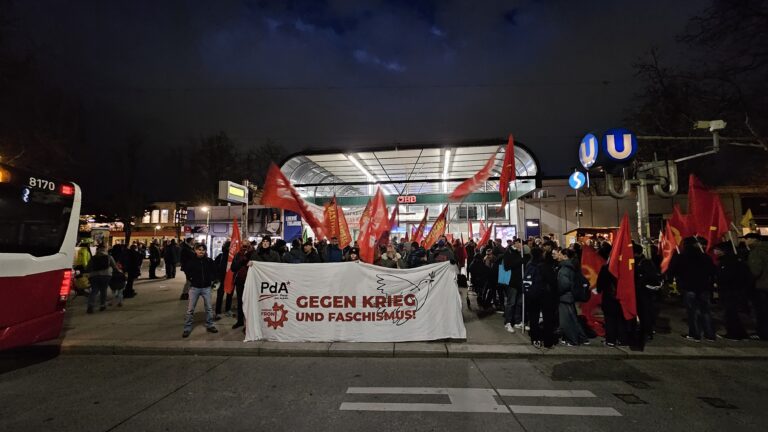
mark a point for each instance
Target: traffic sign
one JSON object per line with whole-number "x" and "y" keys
{"x": 577, "y": 180}
{"x": 588, "y": 151}
{"x": 618, "y": 146}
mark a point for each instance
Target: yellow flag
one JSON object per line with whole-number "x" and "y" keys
{"x": 747, "y": 219}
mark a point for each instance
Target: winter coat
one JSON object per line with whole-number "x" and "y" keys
{"x": 104, "y": 272}
{"x": 647, "y": 275}
{"x": 396, "y": 262}
{"x": 441, "y": 254}
{"x": 266, "y": 255}
{"x": 154, "y": 254}
{"x": 312, "y": 257}
{"x": 294, "y": 256}
{"x": 565, "y": 279}
{"x": 758, "y": 265}
{"x": 733, "y": 275}
{"x": 333, "y": 254}
{"x": 201, "y": 272}
{"x": 187, "y": 253}
{"x": 240, "y": 267}
{"x": 693, "y": 270}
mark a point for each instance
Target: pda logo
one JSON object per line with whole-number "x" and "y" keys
{"x": 274, "y": 290}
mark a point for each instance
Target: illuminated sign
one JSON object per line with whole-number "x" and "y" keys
{"x": 577, "y": 180}
{"x": 588, "y": 151}
{"x": 618, "y": 146}
{"x": 233, "y": 192}
{"x": 406, "y": 199}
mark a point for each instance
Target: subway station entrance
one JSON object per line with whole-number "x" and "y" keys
{"x": 418, "y": 178}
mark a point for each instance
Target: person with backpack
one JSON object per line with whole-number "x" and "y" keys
{"x": 569, "y": 286}
{"x": 99, "y": 271}
{"x": 540, "y": 301}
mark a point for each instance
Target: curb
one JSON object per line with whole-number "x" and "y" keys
{"x": 380, "y": 350}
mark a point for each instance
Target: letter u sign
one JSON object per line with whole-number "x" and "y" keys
{"x": 619, "y": 145}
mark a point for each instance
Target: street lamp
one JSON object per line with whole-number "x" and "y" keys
{"x": 157, "y": 227}
{"x": 207, "y": 211}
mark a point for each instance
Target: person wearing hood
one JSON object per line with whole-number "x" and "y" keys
{"x": 265, "y": 252}
{"x": 295, "y": 255}
{"x": 758, "y": 266}
{"x": 441, "y": 252}
{"x": 311, "y": 256}
{"x": 647, "y": 284}
{"x": 733, "y": 279}
{"x": 391, "y": 259}
{"x": 353, "y": 255}
{"x": 573, "y": 334}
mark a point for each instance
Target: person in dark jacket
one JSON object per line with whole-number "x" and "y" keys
{"x": 310, "y": 254}
{"x": 417, "y": 257}
{"x": 131, "y": 262}
{"x": 186, "y": 253}
{"x": 539, "y": 285}
{"x": 332, "y": 252}
{"x": 733, "y": 281}
{"x": 265, "y": 252}
{"x": 615, "y": 324}
{"x": 571, "y": 329}
{"x": 240, "y": 269}
{"x": 154, "y": 259}
{"x": 200, "y": 272}
{"x": 647, "y": 284}
{"x": 169, "y": 256}
{"x": 295, "y": 255}
{"x": 695, "y": 274}
{"x": 221, "y": 272}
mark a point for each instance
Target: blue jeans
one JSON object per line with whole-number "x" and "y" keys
{"x": 699, "y": 315}
{"x": 99, "y": 286}
{"x": 194, "y": 294}
{"x": 510, "y": 301}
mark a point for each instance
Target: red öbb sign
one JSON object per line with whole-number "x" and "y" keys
{"x": 406, "y": 199}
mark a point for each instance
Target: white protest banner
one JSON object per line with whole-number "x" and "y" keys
{"x": 353, "y": 302}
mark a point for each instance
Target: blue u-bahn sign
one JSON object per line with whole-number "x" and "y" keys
{"x": 618, "y": 146}
{"x": 588, "y": 151}
{"x": 577, "y": 180}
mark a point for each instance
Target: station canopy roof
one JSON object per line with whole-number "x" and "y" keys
{"x": 410, "y": 170}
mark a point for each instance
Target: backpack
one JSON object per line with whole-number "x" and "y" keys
{"x": 99, "y": 262}
{"x": 533, "y": 282}
{"x": 581, "y": 290}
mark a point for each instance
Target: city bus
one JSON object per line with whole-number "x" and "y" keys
{"x": 38, "y": 229}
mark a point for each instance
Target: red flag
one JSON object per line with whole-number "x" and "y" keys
{"x": 438, "y": 229}
{"x": 482, "y": 229}
{"x": 365, "y": 217}
{"x": 449, "y": 237}
{"x": 621, "y": 264}
{"x": 471, "y": 235}
{"x": 591, "y": 263}
{"x": 475, "y": 182}
{"x": 419, "y": 234}
{"x": 705, "y": 211}
{"x": 336, "y": 223}
{"x": 668, "y": 247}
{"x": 485, "y": 236}
{"x": 393, "y": 218}
{"x": 679, "y": 225}
{"x": 377, "y": 224}
{"x": 508, "y": 171}
{"x": 234, "y": 248}
{"x": 280, "y": 193}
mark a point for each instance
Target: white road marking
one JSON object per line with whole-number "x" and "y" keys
{"x": 476, "y": 400}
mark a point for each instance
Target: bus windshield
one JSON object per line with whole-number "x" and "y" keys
{"x": 34, "y": 214}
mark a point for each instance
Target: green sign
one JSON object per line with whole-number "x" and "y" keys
{"x": 438, "y": 198}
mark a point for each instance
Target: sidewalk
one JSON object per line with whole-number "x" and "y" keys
{"x": 151, "y": 323}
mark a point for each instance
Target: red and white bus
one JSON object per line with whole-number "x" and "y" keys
{"x": 38, "y": 229}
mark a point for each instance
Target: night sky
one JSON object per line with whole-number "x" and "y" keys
{"x": 328, "y": 74}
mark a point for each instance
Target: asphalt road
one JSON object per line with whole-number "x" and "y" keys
{"x": 188, "y": 393}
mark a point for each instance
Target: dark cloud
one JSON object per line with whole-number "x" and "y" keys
{"x": 341, "y": 73}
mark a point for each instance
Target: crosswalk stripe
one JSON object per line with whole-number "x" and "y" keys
{"x": 365, "y": 406}
{"x": 546, "y": 393}
{"x": 564, "y": 410}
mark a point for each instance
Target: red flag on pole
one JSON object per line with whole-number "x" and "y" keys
{"x": 345, "y": 237}
{"x": 705, "y": 211}
{"x": 419, "y": 234}
{"x": 280, "y": 193}
{"x": 335, "y": 223}
{"x": 475, "y": 182}
{"x": 485, "y": 236}
{"x": 438, "y": 229}
{"x": 482, "y": 228}
{"x": 471, "y": 235}
{"x": 234, "y": 248}
{"x": 591, "y": 263}
{"x": 679, "y": 225}
{"x": 621, "y": 264}
{"x": 377, "y": 224}
{"x": 508, "y": 171}
{"x": 668, "y": 246}
{"x": 393, "y": 218}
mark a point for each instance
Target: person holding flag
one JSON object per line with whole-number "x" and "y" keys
{"x": 647, "y": 284}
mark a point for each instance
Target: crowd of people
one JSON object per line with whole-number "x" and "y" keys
{"x": 537, "y": 272}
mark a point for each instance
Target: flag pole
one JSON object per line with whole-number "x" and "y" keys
{"x": 522, "y": 262}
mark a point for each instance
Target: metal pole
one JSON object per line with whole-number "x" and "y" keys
{"x": 643, "y": 224}
{"x": 244, "y": 222}
{"x": 522, "y": 275}
{"x": 578, "y": 210}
